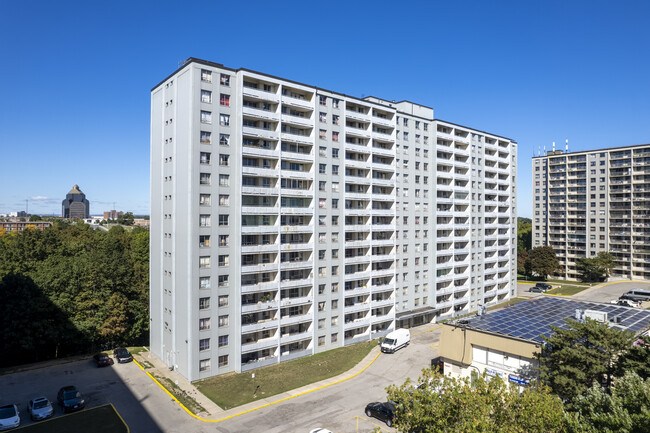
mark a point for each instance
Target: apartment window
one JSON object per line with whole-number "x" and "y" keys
{"x": 224, "y": 260}
{"x": 224, "y": 100}
{"x": 223, "y": 220}
{"x": 321, "y": 306}
{"x": 224, "y": 139}
{"x": 204, "y": 158}
{"x": 335, "y": 187}
{"x": 334, "y": 337}
{"x": 204, "y": 241}
{"x": 223, "y": 321}
{"x": 321, "y": 185}
{"x": 223, "y": 340}
{"x": 204, "y": 220}
{"x": 322, "y": 271}
{"x": 205, "y": 137}
{"x": 204, "y": 283}
{"x": 224, "y": 180}
{"x": 204, "y": 324}
{"x": 224, "y": 280}
{"x": 223, "y": 361}
{"x": 335, "y": 169}
{"x": 204, "y": 344}
{"x": 321, "y": 341}
{"x": 335, "y": 103}
{"x": 335, "y": 203}
{"x": 322, "y": 100}
{"x": 321, "y": 323}
{"x": 335, "y": 137}
{"x": 322, "y": 168}
{"x": 225, "y": 80}
{"x": 322, "y": 203}
{"x": 224, "y": 119}
{"x": 335, "y": 153}
{"x": 322, "y": 117}
{"x": 223, "y": 301}
{"x": 322, "y": 151}
{"x": 204, "y": 200}
{"x": 224, "y": 200}
{"x": 335, "y": 119}
{"x": 204, "y": 365}
{"x": 206, "y": 76}
{"x": 206, "y": 117}
{"x": 204, "y": 262}
{"x": 335, "y": 270}
{"x": 206, "y": 96}
{"x": 224, "y": 160}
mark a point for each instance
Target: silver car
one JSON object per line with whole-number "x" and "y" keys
{"x": 9, "y": 417}
{"x": 40, "y": 408}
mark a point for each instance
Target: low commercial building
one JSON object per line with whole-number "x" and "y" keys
{"x": 19, "y": 226}
{"x": 503, "y": 343}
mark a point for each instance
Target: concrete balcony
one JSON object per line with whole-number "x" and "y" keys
{"x": 357, "y": 116}
{"x": 292, "y": 302}
{"x": 303, "y": 264}
{"x": 294, "y": 320}
{"x": 258, "y": 152}
{"x": 297, "y": 120}
{"x": 260, "y": 114}
{"x": 262, "y": 267}
{"x": 297, "y": 102}
{"x": 259, "y": 326}
{"x": 361, "y": 306}
{"x": 259, "y": 94}
{"x": 383, "y": 242}
{"x": 292, "y": 174}
{"x": 382, "y": 122}
{"x": 307, "y": 246}
{"x": 260, "y": 133}
{"x": 380, "y": 151}
{"x": 260, "y": 210}
{"x": 357, "y": 259}
{"x": 295, "y": 138}
{"x": 251, "y": 230}
{"x": 357, "y": 227}
{"x": 259, "y": 248}
{"x": 254, "y": 190}
{"x": 358, "y": 323}
{"x": 297, "y": 210}
{"x": 295, "y": 156}
{"x": 259, "y": 306}
{"x": 259, "y": 345}
{"x": 297, "y": 192}
{"x": 382, "y": 136}
{"x": 359, "y": 276}
{"x": 357, "y": 132}
{"x": 294, "y": 229}
{"x": 298, "y": 336}
{"x": 359, "y": 291}
{"x": 381, "y": 212}
{"x": 358, "y": 164}
{"x": 287, "y": 284}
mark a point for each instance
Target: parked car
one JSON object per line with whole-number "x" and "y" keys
{"x": 627, "y": 303}
{"x": 103, "y": 360}
{"x": 382, "y": 411}
{"x": 540, "y": 288}
{"x": 9, "y": 417}
{"x": 642, "y": 295}
{"x": 320, "y": 430}
{"x": 40, "y": 408}
{"x": 395, "y": 340}
{"x": 70, "y": 399}
{"x": 122, "y": 355}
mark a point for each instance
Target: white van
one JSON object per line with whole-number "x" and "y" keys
{"x": 395, "y": 340}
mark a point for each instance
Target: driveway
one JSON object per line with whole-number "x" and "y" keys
{"x": 607, "y": 292}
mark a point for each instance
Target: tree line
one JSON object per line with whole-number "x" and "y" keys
{"x": 71, "y": 289}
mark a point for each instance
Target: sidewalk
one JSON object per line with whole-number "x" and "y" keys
{"x": 215, "y": 413}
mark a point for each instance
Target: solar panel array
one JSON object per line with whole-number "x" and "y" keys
{"x": 528, "y": 319}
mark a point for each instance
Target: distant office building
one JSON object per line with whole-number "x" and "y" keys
{"x": 19, "y": 226}
{"x": 112, "y": 214}
{"x": 18, "y": 214}
{"x": 75, "y": 204}
{"x": 592, "y": 201}
{"x": 288, "y": 220}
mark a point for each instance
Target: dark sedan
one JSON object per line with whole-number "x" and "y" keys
{"x": 70, "y": 399}
{"x": 122, "y": 355}
{"x": 102, "y": 360}
{"x": 382, "y": 411}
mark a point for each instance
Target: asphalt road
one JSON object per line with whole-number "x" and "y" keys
{"x": 146, "y": 408}
{"x": 605, "y": 292}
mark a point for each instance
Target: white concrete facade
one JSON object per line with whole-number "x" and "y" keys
{"x": 288, "y": 219}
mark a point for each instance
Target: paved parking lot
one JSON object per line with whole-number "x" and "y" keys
{"x": 605, "y": 292}
{"x": 147, "y": 408}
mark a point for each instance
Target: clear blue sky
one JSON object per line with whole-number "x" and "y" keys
{"x": 76, "y": 76}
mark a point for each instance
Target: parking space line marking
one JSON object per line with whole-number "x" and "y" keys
{"x": 521, "y": 282}
{"x": 561, "y": 296}
{"x": 259, "y": 407}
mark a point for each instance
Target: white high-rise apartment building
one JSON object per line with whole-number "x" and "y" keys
{"x": 592, "y": 201}
{"x": 287, "y": 219}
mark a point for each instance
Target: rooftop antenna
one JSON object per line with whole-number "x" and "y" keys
{"x": 26, "y": 205}
{"x": 554, "y": 146}
{"x": 539, "y": 150}
{"x": 544, "y": 150}
{"x": 566, "y": 145}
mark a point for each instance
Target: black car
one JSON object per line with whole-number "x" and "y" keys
{"x": 382, "y": 411}
{"x": 70, "y": 399}
{"x": 102, "y": 360}
{"x": 122, "y": 355}
{"x": 541, "y": 288}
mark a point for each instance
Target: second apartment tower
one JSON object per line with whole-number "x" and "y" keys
{"x": 287, "y": 219}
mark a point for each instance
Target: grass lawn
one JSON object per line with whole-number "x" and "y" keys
{"x": 568, "y": 290}
{"x": 102, "y": 419}
{"x": 181, "y": 395}
{"x": 232, "y": 390}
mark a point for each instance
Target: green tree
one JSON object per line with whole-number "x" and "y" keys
{"x": 625, "y": 409}
{"x": 35, "y": 218}
{"x": 596, "y": 268}
{"x": 586, "y": 352}
{"x": 126, "y": 219}
{"x": 442, "y": 403}
{"x": 524, "y": 234}
{"x": 542, "y": 261}
{"x": 522, "y": 259}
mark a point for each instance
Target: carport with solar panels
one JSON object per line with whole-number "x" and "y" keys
{"x": 528, "y": 319}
